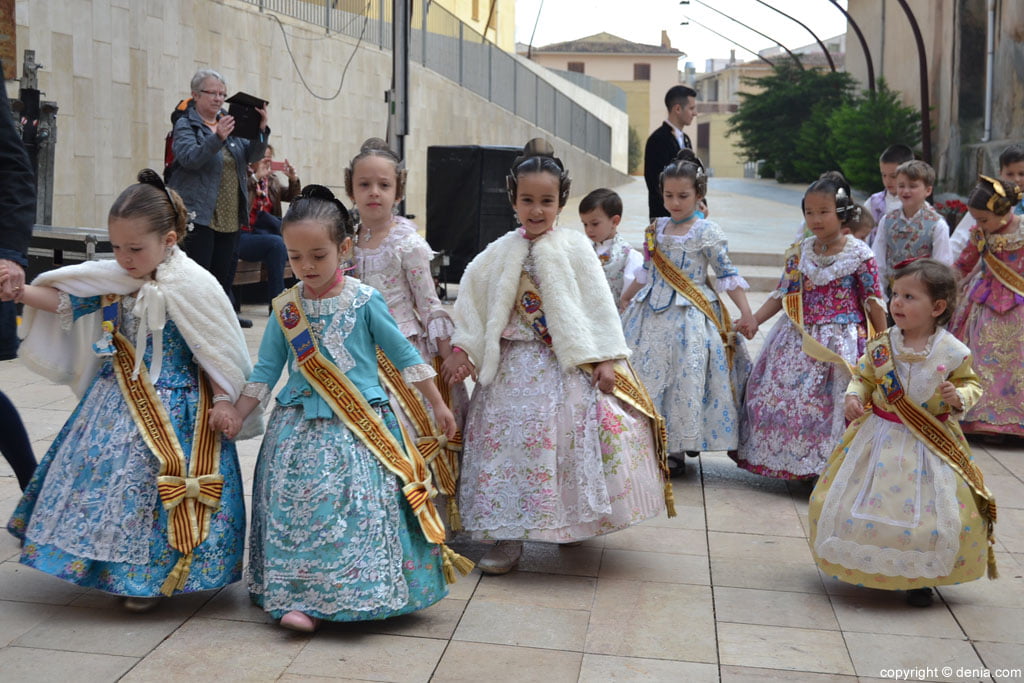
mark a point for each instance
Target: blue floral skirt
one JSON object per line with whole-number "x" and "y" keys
{"x": 332, "y": 534}
{"x": 91, "y": 514}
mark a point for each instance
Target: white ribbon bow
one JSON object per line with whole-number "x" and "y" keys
{"x": 151, "y": 312}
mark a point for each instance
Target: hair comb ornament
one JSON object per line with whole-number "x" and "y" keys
{"x": 998, "y": 200}
{"x": 904, "y": 263}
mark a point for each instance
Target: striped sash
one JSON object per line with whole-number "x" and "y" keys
{"x": 1010, "y": 278}
{"x": 189, "y": 497}
{"x": 403, "y": 460}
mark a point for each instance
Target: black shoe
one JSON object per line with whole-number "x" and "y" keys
{"x": 244, "y": 322}
{"x": 692, "y": 454}
{"x": 676, "y": 467}
{"x": 919, "y": 597}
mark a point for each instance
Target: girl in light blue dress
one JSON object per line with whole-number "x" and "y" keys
{"x": 92, "y": 513}
{"x": 333, "y": 537}
{"x": 678, "y": 351}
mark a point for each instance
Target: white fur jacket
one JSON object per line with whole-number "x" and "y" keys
{"x": 182, "y": 290}
{"x": 578, "y": 304}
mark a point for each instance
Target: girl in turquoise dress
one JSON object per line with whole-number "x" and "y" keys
{"x": 333, "y": 536}
{"x": 92, "y": 514}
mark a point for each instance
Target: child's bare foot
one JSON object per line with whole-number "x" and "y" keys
{"x": 300, "y": 621}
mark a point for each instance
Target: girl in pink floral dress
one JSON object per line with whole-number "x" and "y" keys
{"x": 793, "y": 411}
{"x": 991, "y": 318}
{"x": 392, "y": 257}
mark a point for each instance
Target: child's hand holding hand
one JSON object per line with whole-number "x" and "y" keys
{"x": 950, "y": 395}
{"x": 604, "y": 376}
{"x": 853, "y": 408}
{"x": 457, "y": 366}
{"x": 747, "y": 326}
{"x": 224, "y": 418}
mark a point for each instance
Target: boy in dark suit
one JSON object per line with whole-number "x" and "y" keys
{"x": 666, "y": 141}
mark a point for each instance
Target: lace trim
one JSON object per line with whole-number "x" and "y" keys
{"x": 1011, "y": 241}
{"x": 919, "y": 370}
{"x": 257, "y": 390}
{"x": 332, "y": 320}
{"x": 440, "y": 327}
{"x": 65, "y": 313}
{"x": 702, "y": 234}
{"x": 418, "y": 373}
{"x": 402, "y": 238}
{"x": 891, "y": 561}
{"x": 822, "y": 270}
{"x": 731, "y": 282}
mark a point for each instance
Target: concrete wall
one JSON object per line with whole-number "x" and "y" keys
{"x": 117, "y": 67}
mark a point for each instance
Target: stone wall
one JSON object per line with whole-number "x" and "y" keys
{"x": 116, "y": 68}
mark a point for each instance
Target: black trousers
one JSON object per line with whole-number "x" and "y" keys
{"x": 215, "y": 251}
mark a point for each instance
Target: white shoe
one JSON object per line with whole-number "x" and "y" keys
{"x": 501, "y": 558}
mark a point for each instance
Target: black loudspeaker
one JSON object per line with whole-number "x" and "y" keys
{"x": 467, "y": 203}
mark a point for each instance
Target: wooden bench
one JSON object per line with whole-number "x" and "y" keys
{"x": 253, "y": 272}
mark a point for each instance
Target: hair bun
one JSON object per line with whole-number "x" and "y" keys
{"x": 317, "y": 192}
{"x": 538, "y": 147}
{"x": 150, "y": 177}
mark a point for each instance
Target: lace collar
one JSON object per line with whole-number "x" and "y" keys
{"x": 899, "y": 349}
{"x": 822, "y": 270}
{"x": 318, "y": 308}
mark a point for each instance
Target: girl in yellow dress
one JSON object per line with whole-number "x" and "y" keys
{"x": 901, "y": 504}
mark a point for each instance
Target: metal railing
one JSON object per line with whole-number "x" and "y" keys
{"x": 444, "y": 44}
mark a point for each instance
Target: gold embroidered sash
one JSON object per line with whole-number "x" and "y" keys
{"x": 929, "y": 430}
{"x": 189, "y": 497}
{"x": 627, "y": 388}
{"x": 1006, "y": 275}
{"x": 352, "y": 408}
{"x": 440, "y": 453}
{"x": 793, "y": 304}
{"x": 685, "y": 287}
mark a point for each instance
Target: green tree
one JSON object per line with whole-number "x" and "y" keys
{"x": 861, "y": 129}
{"x": 769, "y": 122}
{"x": 636, "y": 152}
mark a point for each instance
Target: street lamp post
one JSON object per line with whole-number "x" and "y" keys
{"x": 863, "y": 44}
{"x": 926, "y": 123}
{"x": 831, "y": 64}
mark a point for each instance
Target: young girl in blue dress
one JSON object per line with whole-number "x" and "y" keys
{"x": 333, "y": 536}
{"x": 678, "y": 350}
{"x": 92, "y": 513}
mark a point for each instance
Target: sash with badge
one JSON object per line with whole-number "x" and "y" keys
{"x": 627, "y": 388}
{"x": 928, "y": 429}
{"x": 685, "y": 287}
{"x": 190, "y": 494}
{"x": 404, "y": 460}
{"x": 793, "y": 304}
{"x": 1006, "y": 275}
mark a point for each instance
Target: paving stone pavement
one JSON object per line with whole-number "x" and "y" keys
{"x": 726, "y": 591}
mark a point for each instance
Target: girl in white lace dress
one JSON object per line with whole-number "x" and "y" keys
{"x": 793, "y": 409}
{"x": 549, "y": 454}
{"x": 678, "y": 350}
{"x": 392, "y": 257}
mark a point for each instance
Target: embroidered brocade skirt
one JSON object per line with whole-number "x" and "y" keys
{"x": 679, "y": 356}
{"x": 548, "y": 457}
{"x": 996, "y": 341}
{"x": 792, "y": 415}
{"x": 332, "y": 534}
{"x": 888, "y": 513}
{"x": 91, "y": 514}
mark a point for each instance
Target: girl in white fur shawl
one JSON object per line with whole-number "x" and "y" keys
{"x": 91, "y": 514}
{"x": 549, "y": 454}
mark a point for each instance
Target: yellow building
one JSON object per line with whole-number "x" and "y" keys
{"x": 644, "y": 72}
{"x": 718, "y": 98}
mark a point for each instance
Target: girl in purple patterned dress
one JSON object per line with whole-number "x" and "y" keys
{"x": 991, "y": 318}
{"x": 793, "y": 410}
